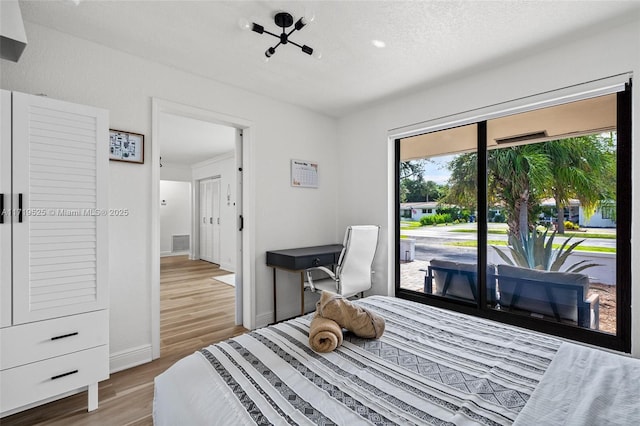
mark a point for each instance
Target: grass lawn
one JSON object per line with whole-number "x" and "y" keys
{"x": 409, "y": 224}
{"x": 555, "y": 246}
{"x": 606, "y": 236}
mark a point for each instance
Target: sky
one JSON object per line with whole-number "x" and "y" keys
{"x": 436, "y": 169}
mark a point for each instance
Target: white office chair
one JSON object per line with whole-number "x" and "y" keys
{"x": 353, "y": 272}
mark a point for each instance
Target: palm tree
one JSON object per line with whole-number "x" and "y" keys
{"x": 515, "y": 176}
{"x": 519, "y": 176}
{"x": 583, "y": 168}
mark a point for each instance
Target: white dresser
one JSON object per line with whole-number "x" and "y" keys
{"x": 54, "y": 322}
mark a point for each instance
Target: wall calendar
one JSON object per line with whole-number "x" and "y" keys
{"x": 304, "y": 174}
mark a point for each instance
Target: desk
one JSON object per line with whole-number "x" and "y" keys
{"x": 299, "y": 259}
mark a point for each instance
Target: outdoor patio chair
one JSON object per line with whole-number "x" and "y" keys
{"x": 560, "y": 296}
{"x": 353, "y": 272}
{"x": 457, "y": 280}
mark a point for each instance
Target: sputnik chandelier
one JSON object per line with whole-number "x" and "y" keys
{"x": 283, "y": 20}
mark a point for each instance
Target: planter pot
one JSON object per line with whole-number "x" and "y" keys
{"x": 407, "y": 249}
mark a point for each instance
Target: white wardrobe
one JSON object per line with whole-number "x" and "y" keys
{"x": 54, "y": 322}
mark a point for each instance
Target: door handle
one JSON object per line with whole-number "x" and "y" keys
{"x": 19, "y": 208}
{"x": 210, "y": 221}
{"x": 1, "y": 208}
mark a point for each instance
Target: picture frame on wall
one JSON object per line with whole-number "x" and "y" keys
{"x": 126, "y": 146}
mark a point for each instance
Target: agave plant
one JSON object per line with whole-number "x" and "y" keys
{"x": 531, "y": 251}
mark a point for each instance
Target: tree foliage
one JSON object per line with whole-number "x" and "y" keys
{"x": 413, "y": 187}
{"x": 520, "y": 176}
{"x": 583, "y": 168}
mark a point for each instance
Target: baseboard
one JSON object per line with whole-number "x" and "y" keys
{"x": 174, "y": 253}
{"x": 130, "y": 358}
{"x": 228, "y": 267}
{"x": 265, "y": 319}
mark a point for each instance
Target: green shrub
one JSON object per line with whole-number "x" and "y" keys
{"x": 426, "y": 220}
{"x": 570, "y": 225}
{"x": 436, "y": 219}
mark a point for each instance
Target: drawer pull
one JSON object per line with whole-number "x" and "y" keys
{"x": 59, "y": 376}
{"x": 64, "y": 336}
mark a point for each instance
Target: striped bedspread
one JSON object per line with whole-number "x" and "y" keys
{"x": 431, "y": 366}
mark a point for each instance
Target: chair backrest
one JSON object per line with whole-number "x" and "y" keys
{"x": 555, "y": 294}
{"x": 354, "y": 265}
{"x": 454, "y": 279}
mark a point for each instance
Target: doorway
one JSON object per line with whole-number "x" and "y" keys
{"x": 230, "y": 198}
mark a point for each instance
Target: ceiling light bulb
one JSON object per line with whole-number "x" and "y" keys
{"x": 244, "y": 24}
{"x": 309, "y": 17}
{"x": 317, "y": 54}
{"x": 378, "y": 43}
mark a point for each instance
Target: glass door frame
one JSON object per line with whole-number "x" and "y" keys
{"x": 621, "y": 341}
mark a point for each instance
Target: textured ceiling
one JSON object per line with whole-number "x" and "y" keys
{"x": 426, "y": 41}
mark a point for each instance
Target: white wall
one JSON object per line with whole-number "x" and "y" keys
{"x": 175, "y": 172}
{"x": 175, "y": 213}
{"x": 71, "y": 69}
{"x": 606, "y": 51}
{"x": 223, "y": 166}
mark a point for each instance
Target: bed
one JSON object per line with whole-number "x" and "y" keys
{"x": 431, "y": 366}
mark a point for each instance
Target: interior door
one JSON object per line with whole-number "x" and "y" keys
{"x": 215, "y": 225}
{"x": 206, "y": 221}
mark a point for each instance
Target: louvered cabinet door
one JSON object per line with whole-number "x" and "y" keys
{"x": 59, "y": 174}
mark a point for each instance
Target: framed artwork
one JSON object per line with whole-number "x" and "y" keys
{"x": 126, "y": 146}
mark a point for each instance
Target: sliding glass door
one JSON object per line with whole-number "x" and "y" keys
{"x": 524, "y": 219}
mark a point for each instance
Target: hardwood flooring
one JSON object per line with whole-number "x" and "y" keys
{"x": 195, "y": 311}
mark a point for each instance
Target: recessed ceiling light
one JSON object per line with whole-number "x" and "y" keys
{"x": 378, "y": 43}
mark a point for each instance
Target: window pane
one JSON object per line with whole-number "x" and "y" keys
{"x": 551, "y": 222}
{"x": 438, "y": 195}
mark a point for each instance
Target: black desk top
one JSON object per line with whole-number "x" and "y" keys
{"x": 297, "y": 259}
{"x": 309, "y": 251}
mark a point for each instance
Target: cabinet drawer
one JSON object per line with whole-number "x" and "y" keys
{"x": 45, "y": 379}
{"x": 23, "y": 344}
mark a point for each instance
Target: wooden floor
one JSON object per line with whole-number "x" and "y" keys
{"x": 195, "y": 311}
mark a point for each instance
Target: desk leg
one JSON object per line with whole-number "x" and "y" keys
{"x": 301, "y": 293}
{"x": 275, "y": 310}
